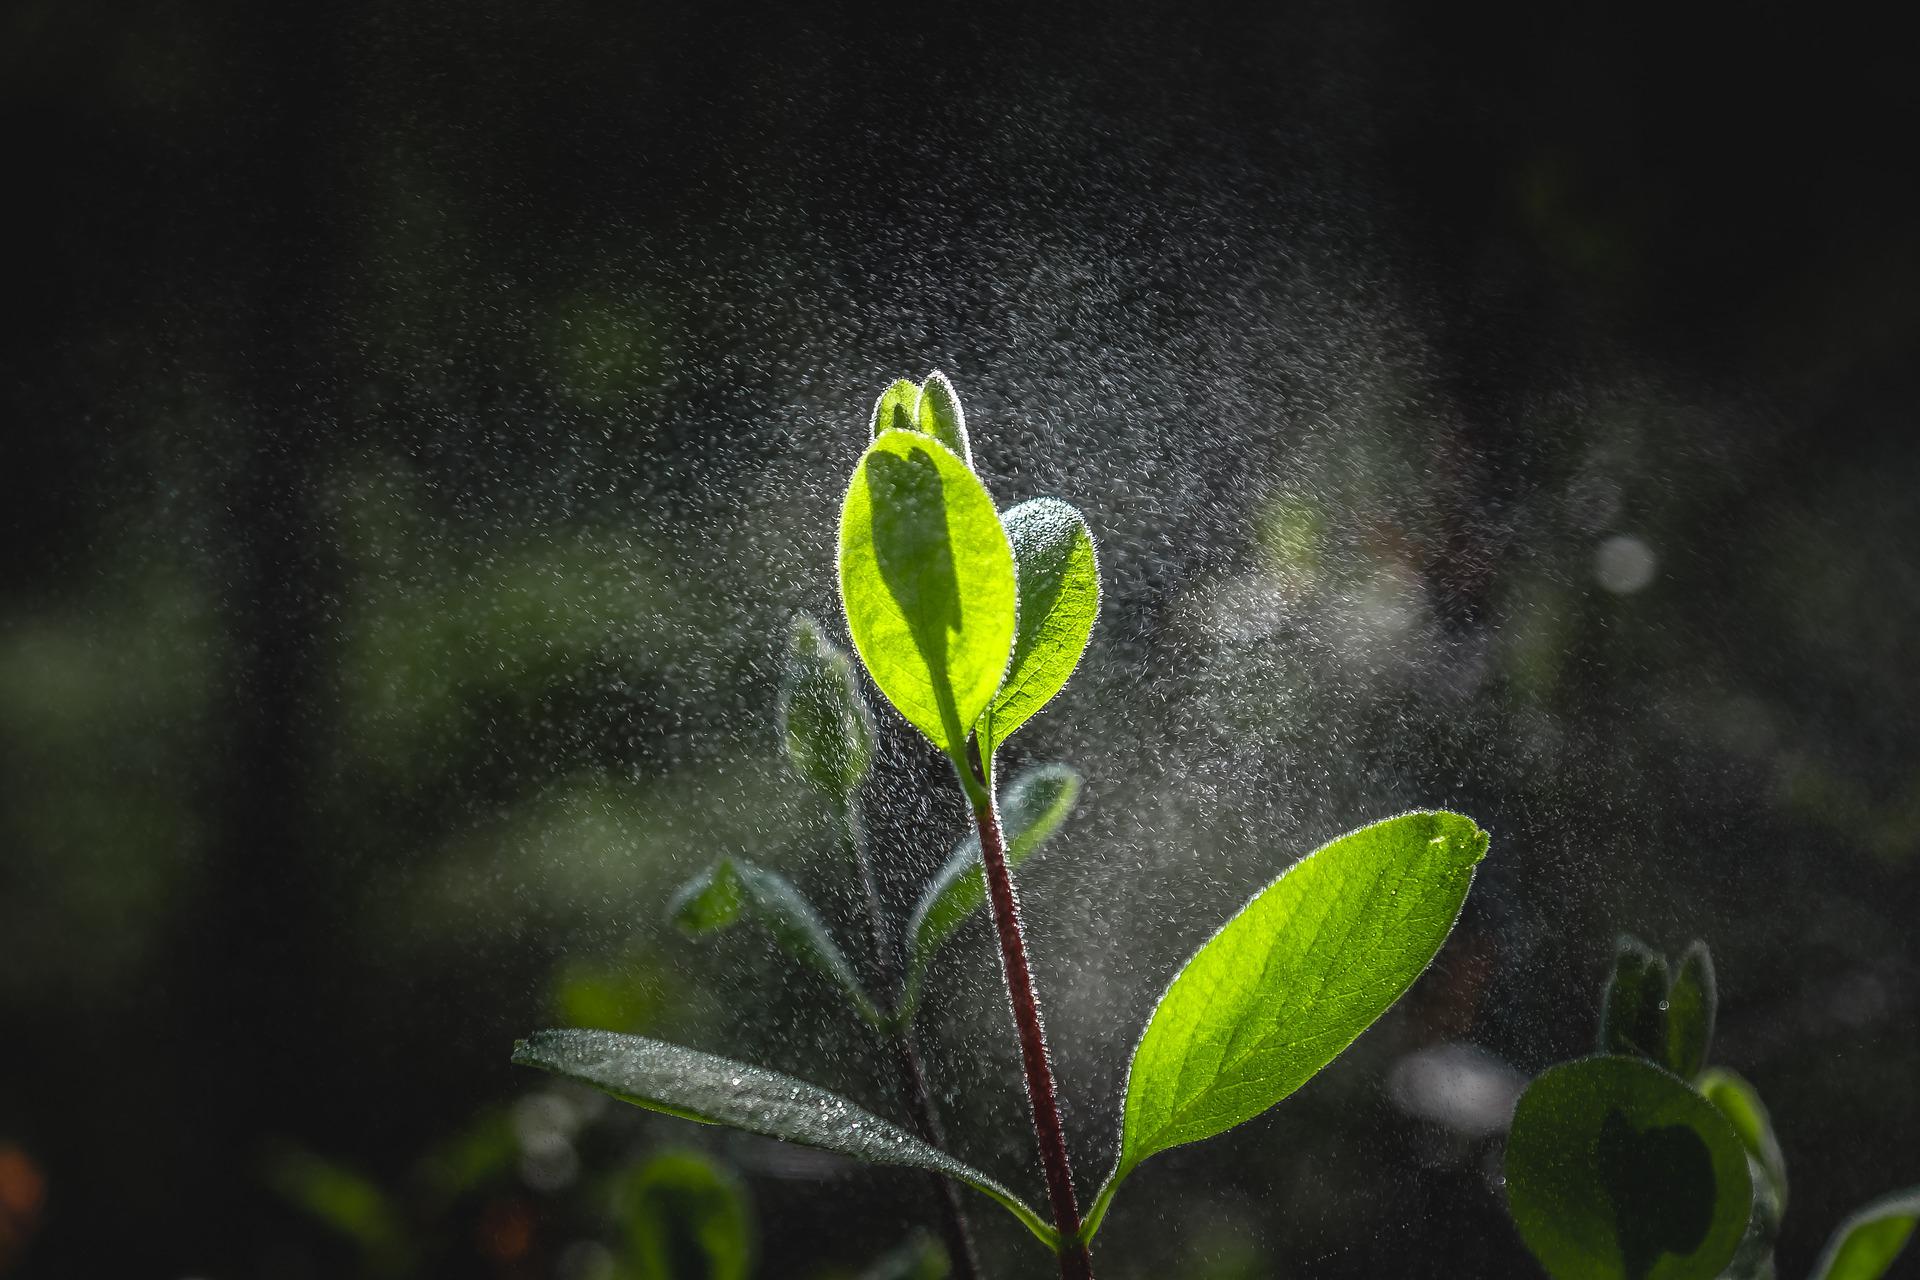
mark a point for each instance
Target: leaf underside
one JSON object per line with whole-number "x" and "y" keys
{"x": 684, "y": 1082}
{"x": 733, "y": 886}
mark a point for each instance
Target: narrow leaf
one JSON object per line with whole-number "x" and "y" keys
{"x": 1740, "y": 1103}
{"x": 1633, "y": 1011}
{"x": 679, "y": 1205}
{"x": 699, "y": 1086}
{"x": 894, "y": 410}
{"x": 1693, "y": 1002}
{"x": 1292, "y": 980}
{"x": 927, "y": 579}
{"x": 718, "y": 897}
{"x": 1866, "y": 1244}
{"x": 1059, "y": 584}
{"x": 1033, "y": 807}
{"x": 937, "y": 413}
{"x": 1617, "y": 1170}
{"x": 824, "y": 720}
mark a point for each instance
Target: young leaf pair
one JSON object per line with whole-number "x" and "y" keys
{"x": 970, "y": 621}
{"x": 1644, "y": 1163}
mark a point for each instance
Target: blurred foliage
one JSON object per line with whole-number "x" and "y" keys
{"x": 422, "y": 420}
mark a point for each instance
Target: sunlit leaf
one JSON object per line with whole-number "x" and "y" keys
{"x": 1740, "y": 1103}
{"x": 678, "y": 1205}
{"x": 1867, "y": 1243}
{"x": 1693, "y": 1002}
{"x": 1031, "y": 809}
{"x": 1292, "y": 980}
{"x": 1633, "y": 1014}
{"x": 1618, "y": 1170}
{"x": 732, "y": 887}
{"x": 1059, "y": 584}
{"x": 824, "y": 720}
{"x": 937, "y": 413}
{"x": 927, "y": 579}
{"x": 700, "y": 1086}
{"x": 894, "y": 410}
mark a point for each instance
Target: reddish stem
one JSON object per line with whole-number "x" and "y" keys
{"x": 1075, "y": 1264}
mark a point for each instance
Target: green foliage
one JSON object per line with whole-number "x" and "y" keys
{"x": 717, "y": 898}
{"x": 1292, "y": 980}
{"x": 680, "y": 1207}
{"x": 348, "y": 1202}
{"x": 1633, "y": 1015}
{"x": 1740, "y": 1103}
{"x": 1693, "y": 1003}
{"x": 927, "y": 579}
{"x": 1059, "y": 586}
{"x": 937, "y": 412}
{"x": 1662, "y": 1015}
{"x": 894, "y": 410}
{"x": 1035, "y": 805}
{"x": 699, "y": 1086}
{"x": 1866, "y": 1244}
{"x": 1617, "y": 1170}
{"x": 970, "y": 622}
{"x": 824, "y": 720}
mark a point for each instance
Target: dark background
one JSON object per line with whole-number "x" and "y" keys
{"x": 420, "y": 418}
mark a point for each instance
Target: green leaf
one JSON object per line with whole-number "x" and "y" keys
{"x": 823, "y": 717}
{"x": 1692, "y": 1004}
{"x": 1867, "y": 1243}
{"x": 716, "y": 899}
{"x": 1033, "y": 807}
{"x": 1618, "y": 1170}
{"x": 937, "y": 413}
{"x": 1059, "y": 584}
{"x": 927, "y": 579}
{"x": 894, "y": 410}
{"x": 684, "y": 1082}
{"x": 1633, "y": 1012}
{"x": 1740, "y": 1103}
{"x": 1292, "y": 980}
{"x": 680, "y": 1205}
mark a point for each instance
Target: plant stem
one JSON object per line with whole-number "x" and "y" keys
{"x": 914, "y": 1090}
{"x": 1075, "y": 1262}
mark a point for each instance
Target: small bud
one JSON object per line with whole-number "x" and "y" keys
{"x": 1633, "y": 1013}
{"x": 823, "y": 717}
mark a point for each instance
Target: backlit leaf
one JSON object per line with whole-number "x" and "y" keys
{"x": 1059, "y": 584}
{"x": 1292, "y": 980}
{"x": 927, "y": 580}
{"x": 699, "y": 1086}
{"x": 937, "y": 413}
{"x": 894, "y": 410}
{"x": 1868, "y": 1243}
{"x": 1619, "y": 1170}
{"x": 1740, "y": 1103}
